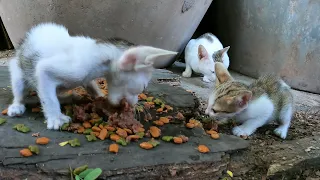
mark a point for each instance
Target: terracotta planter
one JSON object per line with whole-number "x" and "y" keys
{"x": 167, "y": 24}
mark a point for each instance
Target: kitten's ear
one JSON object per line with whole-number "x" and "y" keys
{"x": 222, "y": 73}
{"x": 223, "y": 51}
{"x": 202, "y": 53}
{"x": 243, "y": 99}
{"x": 141, "y": 57}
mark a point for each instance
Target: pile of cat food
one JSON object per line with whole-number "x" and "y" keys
{"x": 99, "y": 120}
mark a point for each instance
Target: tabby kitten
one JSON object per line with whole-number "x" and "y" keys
{"x": 267, "y": 99}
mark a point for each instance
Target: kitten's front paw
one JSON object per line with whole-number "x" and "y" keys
{"x": 16, "y": 110}
{"x": 56, "y": 123}
{"x": 206, "y": 79}
{"x": 281, "y": 131}
{"x": 186, "y": 74}
{"x": 241, "y": 131}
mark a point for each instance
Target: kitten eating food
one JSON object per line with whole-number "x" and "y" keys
{"x": 267, "y": 99}
{"x": 49, "y": 59}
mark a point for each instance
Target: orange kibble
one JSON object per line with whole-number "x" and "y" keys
{"x": 212, "y": 132}
{"x": 115, "y": 137}
{"x": 101, "y": 126}
{"x": 80, "y": 130}
{"x": 142, "y": 96}
{"x": 35, "y": 110}
{"x": 128, "y": 130}
{"x": 122, "y": 133}
{"x": 4, "y": 112}
{"x": 96, "y": 134}
{"x": 94, "y": 116}
{"x": 93, "y": 121}
{"x": 26, "y": 152}
{"x": 158, "y": 123}
{"x": 86, "y": 125}
{"x": 114, "y": 148}
{"x": 177, "y": 140}
{"x": 160, "y": 110}
{"x": 169, "y": 108}
{"x": 132, "y": 138}
{"x": 215, "y": 136}
{"x": 190, "y": 125}
{"x": 110, "y": 128}
{"x": 42, "y": 140}
{"x": 141, "y": 129}
{"x": 155, "y": 132}
{"x": 193, "y": 121}
{"x": 203, "y": 149}
{"x": 96, "y": 129}
{"x": 164, "y": 120}
{"x": 146, "y": 145}
{"x": 103, "y": 134}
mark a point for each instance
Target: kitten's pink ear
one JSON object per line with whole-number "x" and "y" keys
{"x": 244, "y": 98}
{"x": 141, "y": 58}
{"x": 202, "y": 53}
{"x": 222, "y": 73}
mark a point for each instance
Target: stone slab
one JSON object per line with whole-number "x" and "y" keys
{"x": 56, "y": 159}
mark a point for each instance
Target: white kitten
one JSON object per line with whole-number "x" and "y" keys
{"x": 49, "y": 58}
{"x": 201, "y": 54}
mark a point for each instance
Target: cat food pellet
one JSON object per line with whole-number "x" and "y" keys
{"x": 122, "y": 133}
{"x": 114, "y": 148}
{"x": 177, "y": 140}
{"x": 26, "y": 152}
{"x": 158, "y": 123}
{"x": 80, "y": 130}
{"x": 96, "y": 134}
{"x": 96, "y": 129}
{"x": 110, "y": 128}
{"x": 128, "y": 130}
{"x": 86, "y": 125}
{"x": 101, "y": 126}
{"x": 35, "y": 110}
{"x": 155, "y": 132}
{"x": 160, "y": 110}
{"x": 146, "y": 145}
{"x": 4, "y": 112}
{"x": 184, "y": 138}
{"x": 164, "y": 120}
{"x": 215, "y": 136}
{"x": 210, "y": 132}
{"x": 169, "y": 108}
{"x": 142, "y": 96}
{"x": 132, "y": 138}
{"x": 115, "y": 137}
{"x": 141, "y": 129}
{"x": 103, "y": 134}
{"x": 190, "y": 125}
{"x": 203, "y": 149}
{"x": 42, "y": 140}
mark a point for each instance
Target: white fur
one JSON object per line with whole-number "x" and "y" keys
{"x": 69, "y": 61}
{"x": 205, "y": 67}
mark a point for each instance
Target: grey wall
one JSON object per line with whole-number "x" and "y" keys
{"x": 160, "y": 23}
{"x": 271, "y": 36}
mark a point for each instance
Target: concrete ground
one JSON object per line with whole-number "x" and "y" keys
{"x": 267, "y": 157}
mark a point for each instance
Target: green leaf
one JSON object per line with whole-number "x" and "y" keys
{"x": 21, "y": 128}
{"x": 93, "y": 174}
{"x": 77, "y": 177}
{"x": 85, "y": 173}
{"x": 149, "y": 99}
{"x": 74, "y": 142}
{"x": 87, "y": 131}
{"x": 140, "y": 134}
{"x": 91, "y": 137}
{"x": 34, "y": 149}
{"x": 167, "y": 138}
{"x": 122, "y": 141}
{"x": 158, "y": 101}
{"x": 2, "y": 121}
{"x": 154, "y": 142}
{"x": 140, "y": 108}
{"x": 80, "y": 169}
{"x": 65, "y": 126}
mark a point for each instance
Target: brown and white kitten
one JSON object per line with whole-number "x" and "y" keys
{"x": 267, "y": 99}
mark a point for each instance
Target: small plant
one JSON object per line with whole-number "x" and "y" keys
{"x": 85, "y": 173}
